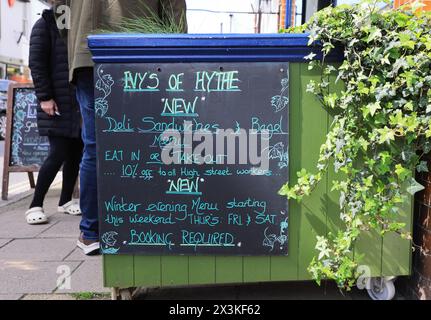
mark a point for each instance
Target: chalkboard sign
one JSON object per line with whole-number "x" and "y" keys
{"x": 25, "y": 150}
{"x": 28, "y": 148}
{"x": 191, "y": 157}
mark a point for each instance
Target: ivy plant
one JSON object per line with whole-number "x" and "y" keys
{"x": 381, "y": 125}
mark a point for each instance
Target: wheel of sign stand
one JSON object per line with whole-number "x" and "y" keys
{"x": 141, "y": 293}
{"x": 381, "y": 288}
{"x": 114, "y": 293}
{"x": 121, "y": 294}
{"x": 126, "y": 294}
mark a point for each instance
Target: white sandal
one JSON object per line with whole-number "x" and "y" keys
{"x": 36, "y": 216}
{"x": 71, "y": 208}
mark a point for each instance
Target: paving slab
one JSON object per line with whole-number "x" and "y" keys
{"x": 23, "y": 277}
{"x": 15, "y": 226}
{"x": 61, "y": 217}
{"x": 67, "y": 227}
{"x": 87, "y": 278}
{"x": 78, "y": 255}
{"x": 38, "y": 249}
{"x": 10, "y": 297}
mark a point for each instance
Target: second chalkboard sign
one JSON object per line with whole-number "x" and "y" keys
{"x": 28, "y": 148}
{"x": 191, "y": 156}
{"x": 25, "y": 150}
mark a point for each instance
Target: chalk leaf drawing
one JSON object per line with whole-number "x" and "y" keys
{"x": 272, "y": 239}
{"x": 101, "y": 107}
{"x": 280, "y": 153}
{"x": 104, "y": 84}
{"x": 281, "y": 101}
{"x": 109, "y": 241}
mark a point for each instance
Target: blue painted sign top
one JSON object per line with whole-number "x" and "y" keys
{"x": 204, "y": 48}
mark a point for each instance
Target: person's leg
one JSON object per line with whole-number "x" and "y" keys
{"x": 49, "y": 170}
{"x": 88, "y": 178}
{"x": 71, "y": 169}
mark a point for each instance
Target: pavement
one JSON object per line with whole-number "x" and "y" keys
{"x": 43, "y": 263}
{"x": 36, "y": 261}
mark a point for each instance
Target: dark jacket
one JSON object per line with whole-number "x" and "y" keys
{"x": 50, "y": 71}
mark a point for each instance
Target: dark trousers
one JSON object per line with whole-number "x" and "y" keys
{"x": 66, "y": 152}
{"x": 88, "y": 176}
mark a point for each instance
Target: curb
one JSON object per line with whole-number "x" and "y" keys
{"x": 16, "y": 198}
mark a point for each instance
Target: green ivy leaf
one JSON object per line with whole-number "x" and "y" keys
{"x": 311, "y": 87}
{"x": 310, "y": 56}
{"x": 331, "y": 99}
{"x": 413, "y": 186}
{"x": 375, "y": 33}
{"x": 386, "y": 135}
{"x": 409, "y": 106}
{"x": 406, "y": 42}
{"x": 285, "y": 190}
{"x": 422, "y": 167}
{"x": 381, "y": 123}
{"x": 401, "y": 19}
{"x": 402, "y": 172}
{"x": 373, "y": 107}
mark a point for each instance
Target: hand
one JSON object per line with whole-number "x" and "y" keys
{"x": 49, "y": 107}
